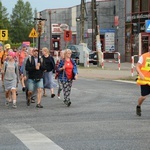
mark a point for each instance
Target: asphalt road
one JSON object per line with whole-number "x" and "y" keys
{"x": 101, "y": 117}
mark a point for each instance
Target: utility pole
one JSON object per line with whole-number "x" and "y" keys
{"x": 96, "y": 36}
{"x": 82, "y": 8}
{"x": 39, "y": 31}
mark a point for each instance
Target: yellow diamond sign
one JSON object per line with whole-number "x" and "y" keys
{"x": 33, "y": 33}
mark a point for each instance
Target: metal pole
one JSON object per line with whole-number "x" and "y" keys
{"x": 39, "y": 31}
{"x": 82, "y": 21}
{"x": 92, "y": 7}
{"x": 50, "y": 29}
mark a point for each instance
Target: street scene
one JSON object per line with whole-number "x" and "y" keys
{"x": 75, "y": 75}
{"x": 102, "y": 116}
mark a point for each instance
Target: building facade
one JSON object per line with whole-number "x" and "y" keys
{"x": 121, "y": 22}
{"x": 136, "y": 37}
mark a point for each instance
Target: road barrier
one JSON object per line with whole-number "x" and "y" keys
{"x": 132, "y": 64}
{"x": 111, "y": 61}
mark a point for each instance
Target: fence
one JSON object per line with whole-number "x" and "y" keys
{"x": 132, "y": 64}
{"x": 112, "y": 61}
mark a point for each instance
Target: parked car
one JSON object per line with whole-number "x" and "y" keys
{"x": 76, "y": 53}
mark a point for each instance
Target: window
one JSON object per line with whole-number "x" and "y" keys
{"x": 135, "y": 6}
{"x": 144, "y": 5}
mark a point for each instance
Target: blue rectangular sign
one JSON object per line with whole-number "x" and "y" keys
{"x": 147, "y": 26}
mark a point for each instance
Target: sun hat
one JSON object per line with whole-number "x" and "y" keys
{"x": 11, "y": 53}
{"x": 7, "y": 46}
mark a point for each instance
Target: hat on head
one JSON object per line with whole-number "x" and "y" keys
{"x": 11, "y": 53}
{"x": 24, "y": 45}
{"x": 35, "y": 49}
{"x": 7, "y": 46}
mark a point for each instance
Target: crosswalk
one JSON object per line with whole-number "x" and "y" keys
{"x": 31, "y": 138}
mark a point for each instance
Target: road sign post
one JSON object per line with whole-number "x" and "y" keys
{"x": 3, "y": 35}
{"x": 67, "y": 35}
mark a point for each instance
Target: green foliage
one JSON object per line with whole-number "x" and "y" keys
{"x": 4, "y": 21}
{"x": 21, "y": 22}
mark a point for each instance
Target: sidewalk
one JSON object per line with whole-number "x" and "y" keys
{"x": 110, "y": 72}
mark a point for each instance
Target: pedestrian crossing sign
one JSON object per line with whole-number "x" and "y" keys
{"x": 147, "y": 26}
{"x": 33, "y": 33}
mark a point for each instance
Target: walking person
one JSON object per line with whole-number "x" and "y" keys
{"x": 11, "y": 78}
{"x": 7, "y": 48}
{"x": 143, "y": 69}
{"x": 1, "y": 54}
{"x": 48, "y": 73}
{"x": 35, "y": 69}
{"x": 68, "y": 73}
{"x": 57, "y": 74}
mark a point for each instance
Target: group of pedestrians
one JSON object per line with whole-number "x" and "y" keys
{"x": 35, "y": 73}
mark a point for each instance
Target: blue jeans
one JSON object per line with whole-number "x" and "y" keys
{"x": 34, "y": 84}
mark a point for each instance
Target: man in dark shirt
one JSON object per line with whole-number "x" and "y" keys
{"x": 35, "y": 69}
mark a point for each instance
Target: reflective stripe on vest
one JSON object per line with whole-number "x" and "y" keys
{"x": 143, "y": 82}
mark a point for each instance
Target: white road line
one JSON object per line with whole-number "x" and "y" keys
{"x": 32, "y": 139}
{"x": 125, "y": 81}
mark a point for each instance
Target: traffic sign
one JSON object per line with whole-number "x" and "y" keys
{"x": 147, "y": 26}
{"x": 3, "y": 35}
{"x": 33, "y": 33}
{"x": 67, "y": 35}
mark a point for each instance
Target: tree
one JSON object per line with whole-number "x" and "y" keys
{"x": 21, "y": 22}
{"x": 4, "y": 21}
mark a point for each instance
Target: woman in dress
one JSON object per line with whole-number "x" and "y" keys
{"x": 48, "y": 74}
{"x": 11, "y": 78}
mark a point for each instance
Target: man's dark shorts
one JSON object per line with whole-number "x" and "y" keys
{"x": 145, "y": 90}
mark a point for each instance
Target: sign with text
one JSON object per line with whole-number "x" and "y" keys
{"x": 3, "y": 35}
{"x": 67, "y": 35}
{"x": 109, "y": 41}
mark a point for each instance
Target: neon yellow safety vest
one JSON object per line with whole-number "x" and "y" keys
{"x": 145, "y": 69}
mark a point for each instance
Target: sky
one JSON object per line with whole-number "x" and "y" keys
{"x": 42, "y": 4}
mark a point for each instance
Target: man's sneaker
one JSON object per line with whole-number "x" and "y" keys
{"x": 7, "y": 103}
{"x": 138, "y": 110}
{"x": 14, "y": 105}
{"x": 52, "y": 95}
{"x": 32, "y": 100}
{"x": 39, "y": 106}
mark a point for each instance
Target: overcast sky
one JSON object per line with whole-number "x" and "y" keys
{"x": 42, "y": 4}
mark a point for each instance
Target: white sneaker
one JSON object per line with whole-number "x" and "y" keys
{"x": 58, "y": 97}
{"x": 14, "y": 106}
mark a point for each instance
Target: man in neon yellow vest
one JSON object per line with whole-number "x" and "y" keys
{"x": 143, "y": 69}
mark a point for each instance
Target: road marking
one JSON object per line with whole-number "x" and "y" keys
{"x": 125, "y": 81}
{"x": 32, "y": 139}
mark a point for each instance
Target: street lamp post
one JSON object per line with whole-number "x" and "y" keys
{"x": 50, "y": 28}
{"x": 39, "y": 31}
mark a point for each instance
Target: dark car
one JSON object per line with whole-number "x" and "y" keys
{"x": 93, "y": 57}
{"x": 76, "y": 53}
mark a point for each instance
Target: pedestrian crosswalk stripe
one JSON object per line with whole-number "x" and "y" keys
{"x": 32, "y": 139}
